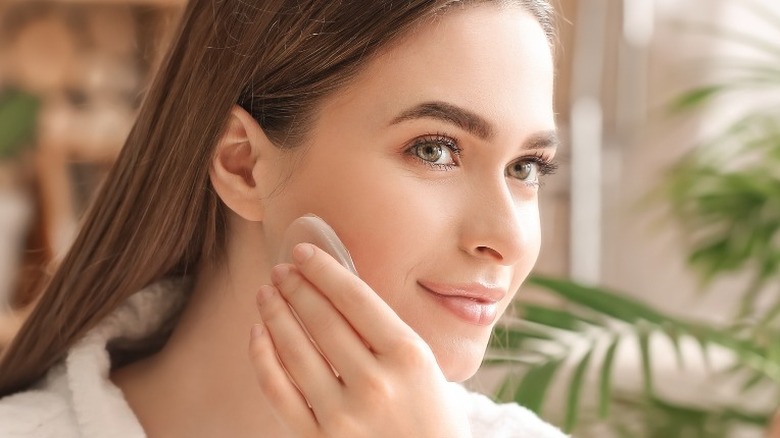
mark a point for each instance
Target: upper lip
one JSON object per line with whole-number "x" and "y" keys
{"x": 483, "y": 292}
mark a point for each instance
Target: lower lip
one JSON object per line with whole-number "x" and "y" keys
{"x": 471, "y": 311}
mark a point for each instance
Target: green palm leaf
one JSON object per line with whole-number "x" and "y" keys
{"x": 602, "y": 320}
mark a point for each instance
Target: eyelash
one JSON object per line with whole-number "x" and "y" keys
{"x": 440, "y": 139}
{"x": 545, "y": 165}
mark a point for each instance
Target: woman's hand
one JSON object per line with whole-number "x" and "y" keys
{"x": 366, "y": 373}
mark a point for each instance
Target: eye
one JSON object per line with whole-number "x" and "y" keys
{"x": 530, "y": 169}
{"x": 437, "y": 151}
{"x": 524, "y": 170}
{"x": 430, "y": 152}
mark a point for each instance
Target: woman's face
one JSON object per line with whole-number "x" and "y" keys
{"x": 427, "y": 167}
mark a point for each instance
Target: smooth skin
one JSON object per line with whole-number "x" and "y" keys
{"x": 377, "y": 357}
{"x": 445, "y": 195}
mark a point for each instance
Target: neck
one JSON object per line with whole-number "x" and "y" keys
{"x": 201, "y": 383}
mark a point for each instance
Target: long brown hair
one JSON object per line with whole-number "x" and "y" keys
{"x": 156, "y": 214}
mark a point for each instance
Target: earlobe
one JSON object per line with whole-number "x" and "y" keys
{"x": 234, "y": 167}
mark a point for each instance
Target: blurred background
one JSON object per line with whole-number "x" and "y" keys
{"x": 654, "y": 310}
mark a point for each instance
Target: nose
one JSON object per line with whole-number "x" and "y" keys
{"x": 499, "y": 226}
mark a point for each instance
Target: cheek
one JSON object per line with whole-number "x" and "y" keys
{"x": 393, "y": 228}
{"x": 387, "y": 219}
{"x": 345, "y": 190}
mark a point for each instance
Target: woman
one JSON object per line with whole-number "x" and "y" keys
{"x": 419, "y": 130}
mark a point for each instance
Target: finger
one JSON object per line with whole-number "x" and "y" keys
{"x": 297, "y": 354}
{"x": 336, "y": 339}
{"x": 366, "y": 312}
{"x": 284, "y": 398}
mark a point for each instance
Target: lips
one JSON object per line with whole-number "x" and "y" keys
{"x": 473, "y": 303}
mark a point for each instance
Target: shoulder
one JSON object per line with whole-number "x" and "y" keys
{"x": 41, "y": 412}
{"x": 504, "y": 420}
{"x": 76, "y": 398}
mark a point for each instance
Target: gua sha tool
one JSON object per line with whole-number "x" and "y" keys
{"x": 312, "y": 229}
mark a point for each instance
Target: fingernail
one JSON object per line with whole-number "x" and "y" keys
{"x": 303, "y": 252}
{"x": 279, "y": 273}
{"x": 264, "y": 294}
{"x": 257, "y": 331}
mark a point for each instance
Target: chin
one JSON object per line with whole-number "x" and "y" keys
{"x": 459, "y": 364}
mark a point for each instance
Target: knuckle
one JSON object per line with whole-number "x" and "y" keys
{"x": 353, "y": 289}
{"x": 263, "y": 360}
{"x": 292, "y": 286}
{"x": 324, "y": 266}
{"x": 260, "y": 346}
{"x": 257, "y": 353}
{"x": 268, "y": 385}
{"x": 413, "y": 351}
{"x": 271, "y": 306}
{"x": 325, "y": 322}
{"x": 378, "y": 389}
{"x": 318, "y": 266}
{"x": 354, "y": 284}
{"x": 270, "y": 388}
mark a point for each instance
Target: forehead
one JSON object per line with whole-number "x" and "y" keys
{"x": 493, "y": 60}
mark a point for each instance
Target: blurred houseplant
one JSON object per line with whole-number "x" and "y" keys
{"x": 726, "y": 195}
{"x": 18, "y": 111}
{"x": 18, "y": 122}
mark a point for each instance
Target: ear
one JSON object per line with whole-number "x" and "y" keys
{"x": 234, "y": 165}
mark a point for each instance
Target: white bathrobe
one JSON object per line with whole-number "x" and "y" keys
{"x": 77, "y": 399}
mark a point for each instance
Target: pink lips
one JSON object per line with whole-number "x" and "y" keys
{"x": 472, "y": 302}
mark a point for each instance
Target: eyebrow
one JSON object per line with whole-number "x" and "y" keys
{"x": 471, "y": 123}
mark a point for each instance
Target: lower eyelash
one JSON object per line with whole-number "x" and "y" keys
{"x": 438, "y": 166}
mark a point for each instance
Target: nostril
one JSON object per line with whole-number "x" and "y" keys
{"x": 489, "y": 252}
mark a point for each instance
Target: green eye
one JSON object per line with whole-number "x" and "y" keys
{"x": 524, "y": 171}
{"x": 437, "y": 151}
{"x": 429, "y": 151}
